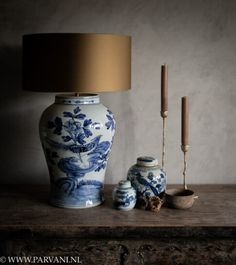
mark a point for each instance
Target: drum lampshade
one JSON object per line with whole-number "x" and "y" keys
{"x": 76, "y": 62}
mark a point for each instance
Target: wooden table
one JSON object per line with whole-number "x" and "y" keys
{"x": 204, "y": 234}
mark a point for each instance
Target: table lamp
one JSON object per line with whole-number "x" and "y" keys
{"x": 76, "y": 131}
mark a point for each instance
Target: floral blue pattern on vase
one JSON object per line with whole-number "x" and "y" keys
{"x": 77, "y": 139}
{"x": 147, "y": 177}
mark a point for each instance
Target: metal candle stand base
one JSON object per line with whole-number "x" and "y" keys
{"x": 181, "y": 198}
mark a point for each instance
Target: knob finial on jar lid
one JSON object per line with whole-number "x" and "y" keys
{"x": 147, "y": 161}
{"x": 124, "y": 184}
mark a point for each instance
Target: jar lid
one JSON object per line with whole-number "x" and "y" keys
{"x": 125, "y": 184}
{"x": 147, "y": 161}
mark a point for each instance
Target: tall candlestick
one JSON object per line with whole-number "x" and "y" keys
{"x": 164, "y": 90}
{"x": 185, "y": 122}
{"x": 185, "y": 133}
{"x": 164, "y": 106}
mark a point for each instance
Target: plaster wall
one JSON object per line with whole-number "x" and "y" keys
{"x": 197, "y": 38}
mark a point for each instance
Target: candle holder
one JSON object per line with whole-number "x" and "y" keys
{"x": 164, "y": 115}
{"x": 181, "y": 198}
{"x": 185, "y": 150}
{"x": 164, "y": 106}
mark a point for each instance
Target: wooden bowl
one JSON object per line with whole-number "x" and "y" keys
{"x": 180, "y": 198}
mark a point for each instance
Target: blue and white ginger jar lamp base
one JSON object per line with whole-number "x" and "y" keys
{"x": 77, "y": 134}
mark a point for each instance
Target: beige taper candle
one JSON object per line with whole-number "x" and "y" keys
{"x": 185, "y": 122}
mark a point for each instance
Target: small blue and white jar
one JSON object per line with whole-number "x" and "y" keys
{"x": 124, "y": 196}
{"x": 147, "y": 177}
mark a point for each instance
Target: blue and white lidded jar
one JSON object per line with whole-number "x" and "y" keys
{"x": 124, "y": 196}
{"x": 147, "y": 178}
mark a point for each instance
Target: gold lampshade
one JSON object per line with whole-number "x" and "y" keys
{"x": 71, "y": 62}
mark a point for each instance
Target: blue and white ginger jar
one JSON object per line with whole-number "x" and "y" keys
{"x": 77, "y": 134}
{"x": 124, "y": 196}
{"x": 147, "y": 177}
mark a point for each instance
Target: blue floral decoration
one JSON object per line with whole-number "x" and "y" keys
{"x": 150, "y": 184}
{"x": 78, "y": 129}
{"x": 123, "y": 199}
{"x": 110, "y": 124}
{"x": 56, "y": 125}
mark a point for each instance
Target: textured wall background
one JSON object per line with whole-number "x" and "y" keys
{"x": 198, "y": 41}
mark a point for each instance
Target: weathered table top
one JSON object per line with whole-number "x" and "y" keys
{"x": 25, "y": 209}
